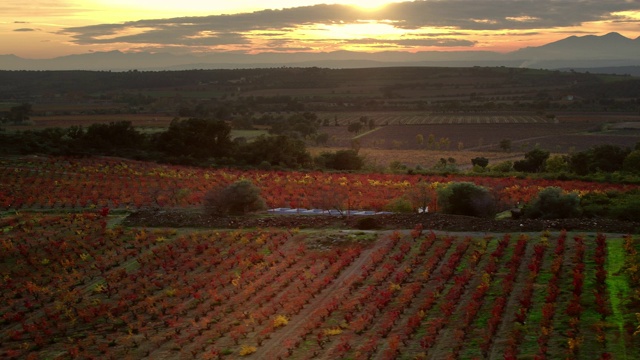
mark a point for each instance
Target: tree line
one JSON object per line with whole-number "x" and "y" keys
{"x": 191, "y": 141}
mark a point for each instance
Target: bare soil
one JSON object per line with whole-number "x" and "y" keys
{"x": 181, "y": 218}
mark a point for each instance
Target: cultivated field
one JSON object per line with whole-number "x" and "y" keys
{"x": 76, "y": 287}
{"x": 481, "y": 134}
{"x": 75, "y": 284}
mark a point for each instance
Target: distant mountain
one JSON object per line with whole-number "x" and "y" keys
{"x": 611, "y": 51}
{"x": 587, "y": 51}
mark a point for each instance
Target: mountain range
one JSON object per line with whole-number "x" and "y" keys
{"x": 613, "y": 52}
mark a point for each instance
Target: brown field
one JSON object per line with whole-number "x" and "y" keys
{"x": 557, "y": 136}
{"x": 425, "y": 158}
{"x": 427, "y": 118}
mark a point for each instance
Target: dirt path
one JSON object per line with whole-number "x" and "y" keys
{"x": 272, "y": 346}
{"x": 509, "y": 315}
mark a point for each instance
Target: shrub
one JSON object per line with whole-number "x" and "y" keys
{"x": 626, "y": 208}
{"x": 480, "y": 161}
{"x": 596, "y": 204}
{"x": 399, "y": 205}
{"x": 632, "y": 162}
{"x": 533, "y": 161}
{"x": 341, "y": 160}
{"x": 238, "y": 198}
{"x": 553, "y": 203}
{"x": 503, "y": 167}
{"x": 556, "y": 164}
{"x": 466, "y": 198}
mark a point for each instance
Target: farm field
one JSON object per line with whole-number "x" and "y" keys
{"x": 382, "y": 158}
{"x": 427, "y": 118}
{"x": 77, "y": 284}
{"x": 92, "y": 183}
{"x": 65, "y": 121}
{"x": 80, "y": 286}
{"x": 560, "y": 137}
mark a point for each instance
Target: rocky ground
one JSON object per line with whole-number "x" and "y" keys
{"x": 179, "y": 218}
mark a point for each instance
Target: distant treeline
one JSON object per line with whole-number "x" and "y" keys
{"x": 186, "y": 142}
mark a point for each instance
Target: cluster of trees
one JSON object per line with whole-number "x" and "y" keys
{"x": 187, "y": 142}
{"x": 598, "y": 159}
{"x": 466, "y": 198}
{"x": 18, "y": 114}
{"x": 602, "y": 159}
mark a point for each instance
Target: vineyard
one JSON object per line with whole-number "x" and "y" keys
{"x": 43, "y": 183}
{"x": 76, "y": 287}
{"x": 76, "y": 284}
{"x": 435, "y": 118}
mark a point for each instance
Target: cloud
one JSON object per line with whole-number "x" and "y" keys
{"x": 440, "y": 42}
{"x": 25, "y": 30}
{"x": 452, "y": 17}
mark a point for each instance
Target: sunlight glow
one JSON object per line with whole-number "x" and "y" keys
{"x": 370, "y": 5}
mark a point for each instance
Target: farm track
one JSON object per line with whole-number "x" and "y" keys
{"x": 270, "y": 347}
{"x": 508, "y": 319}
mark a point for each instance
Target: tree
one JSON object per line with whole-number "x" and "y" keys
{"x": 607, "y": 158}
{"x": 341, "y": 160}
{"x": 196, "y": 138}
{"x": 533, "y": 161}
{"x": 372, "y": 124}
{"x": 505, "y": 145}
{"x": 480, "y": 161}
{"x": 322, "y": 139}
{"x": 303, "y": 124}
{"x": 420, "y": 196}
{"x": 553, "y": 203}
{"x": 556, "y": 164}
{"x": 239, "y": 198}
{"x": 604, "y": 158}
{"x": 279, "y": 150}
{"x": 632, "y": 162}
{"x": 354, "y": 127}
{"x": 110, "y": 137}
{"x": 431, "y": 140}
{"x": 20, "y": 113}
{"x": 466, "y": 198}
{"x": 420, "y": 139}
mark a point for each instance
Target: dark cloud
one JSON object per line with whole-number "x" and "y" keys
{"x": 458, "y": 17}
{"x": 25, "y": 29}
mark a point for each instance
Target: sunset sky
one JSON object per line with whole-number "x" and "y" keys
{"x": 51, "y": 28}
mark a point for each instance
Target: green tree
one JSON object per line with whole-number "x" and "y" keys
{"x": 632, "y": 162}
{"x": 341, "y": 160}
{"x": 20, "y": 113}
{"x": 110, "y": 138}
{"x": 505, "y": 145}
{"x": 533, "y": 161}
{"x": 354, "y": 127}
{"x": 279, "y": 150}
{"x": 196, "y": 138}
{"x": 480, "y": 161}
{"x": 322, "y": 139}
{"x": 556, "y": 164}
{"x": 239, "y": 198}
{"x": 466, "y": 198}
{"x": 553, "y": 203}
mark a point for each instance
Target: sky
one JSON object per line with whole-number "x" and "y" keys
{"x": 51, "y": 28}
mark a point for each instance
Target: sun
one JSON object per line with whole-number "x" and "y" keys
{"x": 369, "y": 5}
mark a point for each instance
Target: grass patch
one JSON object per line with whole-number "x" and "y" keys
{"x": 618, "y": 287}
